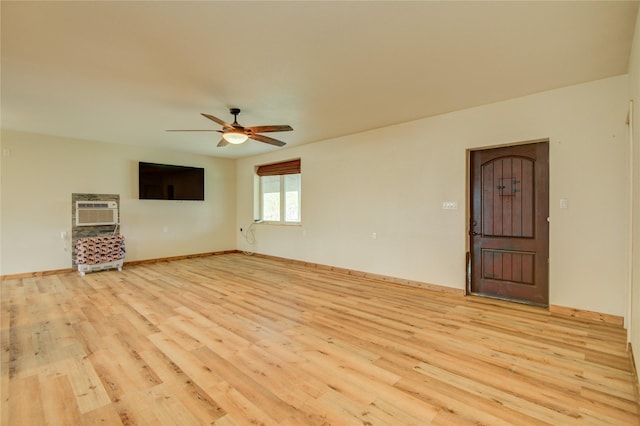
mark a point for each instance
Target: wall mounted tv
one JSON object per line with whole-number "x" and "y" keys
{"x": 167, "y": 182}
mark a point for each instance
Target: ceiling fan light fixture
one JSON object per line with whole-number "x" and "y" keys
{"x": 235, "y": 138}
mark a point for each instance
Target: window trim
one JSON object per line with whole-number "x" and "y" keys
{"x": 280, "y": 169}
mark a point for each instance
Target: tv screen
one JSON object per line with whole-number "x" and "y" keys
{"x": 167, "y": 182}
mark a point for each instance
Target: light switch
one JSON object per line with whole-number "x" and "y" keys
{"x": 564, "y": 203}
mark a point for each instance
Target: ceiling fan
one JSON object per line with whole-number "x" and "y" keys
{"x": 236, "y": 134}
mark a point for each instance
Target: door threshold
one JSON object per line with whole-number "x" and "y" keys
{"x": 479, "y": 297}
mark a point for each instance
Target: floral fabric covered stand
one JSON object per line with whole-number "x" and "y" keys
{"x": 99, "y": 253}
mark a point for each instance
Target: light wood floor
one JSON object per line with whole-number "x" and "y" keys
{"x": 239, "y": 340}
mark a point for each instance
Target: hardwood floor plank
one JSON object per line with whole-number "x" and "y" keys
{"x": 87, "y": 387}
{"x": 137, "y": 408}
{"x": 240, "y": 409}
{"x": 237, "y": 340}
{"x": 168, "y": 409}
{"x": 347, "y": 356}
{"x": 199, "y": 403}
{"x": 340, "y": 410}
{"x": 267, "y": 369}
{"x": 240, "y": 378}
{"x": 518, "y": 395}
{"x": 185, "y": 362}
{"x": 24, "y": 401}
{"x": 107, "y": 415}
{"x": 62, "y": 410}
{"x": 456, "y": 405}
{"x": 401, "y": 412}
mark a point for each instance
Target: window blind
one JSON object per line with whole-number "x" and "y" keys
{"x": 290, "y": 167}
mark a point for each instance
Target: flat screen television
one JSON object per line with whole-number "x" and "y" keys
{"x": 167, "y": 182}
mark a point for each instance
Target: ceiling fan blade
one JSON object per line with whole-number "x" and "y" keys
{"x": 267, "y": 139}
{"x": 217, "y": 120}
{"x": 273, "y": 128}
{"x": 223, "y": 142}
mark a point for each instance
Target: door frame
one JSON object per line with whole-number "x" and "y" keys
{"x": 468, "y": 218}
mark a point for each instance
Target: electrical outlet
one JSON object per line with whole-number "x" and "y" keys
{"x": 449, "y": 205}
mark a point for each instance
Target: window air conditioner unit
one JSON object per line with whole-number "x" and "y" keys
{"x": 93, "y": 213}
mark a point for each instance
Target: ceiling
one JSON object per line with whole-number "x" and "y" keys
{"x": 124, "y": 72}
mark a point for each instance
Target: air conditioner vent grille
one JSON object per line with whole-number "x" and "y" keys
{"x": 93, "y": 213}
{"x": 93, "y": 205}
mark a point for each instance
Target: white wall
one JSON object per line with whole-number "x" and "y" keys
{"x": 39, "y": 174}
{"x": 634, "y": 94}
{"x": 392, "y": 181}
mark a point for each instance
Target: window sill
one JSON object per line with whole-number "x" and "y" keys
{"x": 265, "y": 222}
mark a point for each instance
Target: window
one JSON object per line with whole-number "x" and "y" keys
{"x": 280, "y": 192}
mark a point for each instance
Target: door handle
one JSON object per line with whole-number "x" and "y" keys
{"x": 474, "y": 233}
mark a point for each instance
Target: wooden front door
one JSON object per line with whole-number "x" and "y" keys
{"x": 509, "y": 229}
